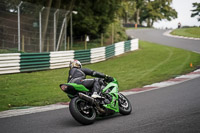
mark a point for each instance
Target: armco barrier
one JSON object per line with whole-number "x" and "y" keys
{"x": 110, "y": 51}
{"x": 9, "y": 63}
{"x": 127, "y": 46}
{"x": 34, "y": 61}
{"x": 119, "y": 48}
{"x": 97, "y": 54}
{"x": 24, "y": 62}
{"x": 60, "y": 59}
{"x": 134, "y": 44}
{"x": 83, "y": 56}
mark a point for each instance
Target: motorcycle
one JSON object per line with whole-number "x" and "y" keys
{"x": 85, "y": 109}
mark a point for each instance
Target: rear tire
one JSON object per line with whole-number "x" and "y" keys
{"x": 81, "y": 111}
{"x": 125, "y": 107}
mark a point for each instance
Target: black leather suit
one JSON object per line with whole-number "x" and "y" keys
{"x": 78, "y": 75}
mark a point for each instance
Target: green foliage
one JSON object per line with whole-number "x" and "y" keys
{"x": 196, "y": 12}
{"x": 9, "y": 4}
{"x": 156, "y": 10}
{"x": 127, "y": 10}
{"x": 94, "y": 17}
{"x": 148, "y": 11}
{"x": 119, "y": 32}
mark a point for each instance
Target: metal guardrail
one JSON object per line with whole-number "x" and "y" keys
{"x": 26, "y": 62}
{"x": 9, "y": 63}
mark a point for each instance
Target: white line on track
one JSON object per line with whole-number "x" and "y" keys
{"x": 167, "y": 33}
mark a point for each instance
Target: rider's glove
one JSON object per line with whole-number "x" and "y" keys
{"x": 108, "y": 78}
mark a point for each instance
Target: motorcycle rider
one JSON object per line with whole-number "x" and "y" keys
{"x": 77, "y": 74}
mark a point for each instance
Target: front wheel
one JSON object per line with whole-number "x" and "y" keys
{"x": 81, "y": 111}
{"x": 125, "y": 107}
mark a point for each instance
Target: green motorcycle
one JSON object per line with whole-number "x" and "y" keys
{"x": 85, "y": 109}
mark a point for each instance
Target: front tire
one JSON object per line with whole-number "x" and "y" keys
{"x": 81, "y": 111}
{"x": 125, "y": 107}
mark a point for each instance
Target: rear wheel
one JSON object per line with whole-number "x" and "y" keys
{"x": 81, "y": 111}
{"x": 125, "y": 107}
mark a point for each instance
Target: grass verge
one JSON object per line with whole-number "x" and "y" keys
{"x": 187, "y": 32}
{"x": 152, "y": 63}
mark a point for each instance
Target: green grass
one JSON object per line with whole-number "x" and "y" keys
{"x": 152, "y": 63}
{"x": 187, "y": 32}
{"x": 91, "y": 44}
{"x": 3, "y": 51}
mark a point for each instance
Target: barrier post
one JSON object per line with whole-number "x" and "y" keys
{"x": 102, "y": 39}
{"x": 47, "y": 44}
{"x": 67, "y": 43}
{"x": 112, "y": 33}
{"x": 18, "y": 12}
{"x": 85, "y": 41}
{"x": 22, "y": 43}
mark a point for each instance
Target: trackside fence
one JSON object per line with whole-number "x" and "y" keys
{"x": 27, "y": 62}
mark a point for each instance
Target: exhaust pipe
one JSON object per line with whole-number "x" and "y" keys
{"x": 87, "y": 98}
{"x": 92, "y": 101}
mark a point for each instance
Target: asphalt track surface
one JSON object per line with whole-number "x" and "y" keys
{"x": 156, "y": 36}
{"x": 173, "y": 109}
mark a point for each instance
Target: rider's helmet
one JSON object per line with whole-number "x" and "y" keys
{"x": 75, "y": 63}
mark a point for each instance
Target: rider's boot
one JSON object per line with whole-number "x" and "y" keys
{"x": 95, "y": 95}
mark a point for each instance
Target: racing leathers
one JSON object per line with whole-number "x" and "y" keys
{"x": 78, "y": 75}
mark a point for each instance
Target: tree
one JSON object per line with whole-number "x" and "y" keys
{"x": 139, "y": 6}
{"x": 196, "y": 12}
{"x": 127, "y": 10}
{"x": 94, "y": 16}
{"x": 157, "y": 10}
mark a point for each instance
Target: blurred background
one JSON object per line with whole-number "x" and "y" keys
{"x": 59, "y": 25}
